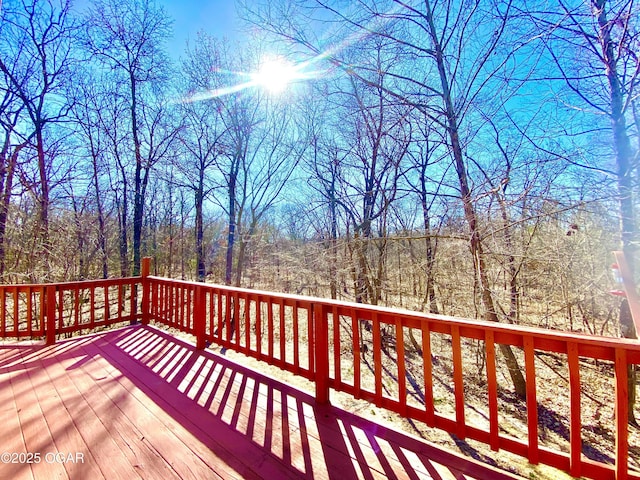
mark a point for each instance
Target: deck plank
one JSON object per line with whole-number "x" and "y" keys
{"x": 229, "y": 448}
{"x": 151, "y": 424}
{"x": 36, "y": 434}
{"x": 43, "y": 372}
{"x": 105, "y": 401}
{"x": 13, "y": 440}
{"x": 81, "y": 398}
{"x": 143, "y": 404}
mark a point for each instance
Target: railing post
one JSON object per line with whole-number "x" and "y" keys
{"x": 146, "y": 287}
{"x": 199, "y": 318}
{"x": 621, "y": 415}
{"x": 50, "y": 314}
{"x": 321, "y": 347}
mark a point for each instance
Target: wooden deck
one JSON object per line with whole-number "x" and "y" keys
{"x": 138, "y": 403}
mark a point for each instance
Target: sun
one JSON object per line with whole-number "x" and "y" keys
{"x": 275, "y": 74}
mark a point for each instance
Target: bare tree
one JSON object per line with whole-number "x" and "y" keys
{"x": 593, "y": 47}
{"x": 12, "y": 144}
{"x": 128, "y": 37}
{"x": 449, "y": 47}
{"x": 257, "y": 153}
{"x": 89, "y": 107}
{"x": 36, "y": 64}
{"x": 423, "y": 154}
{"x": 201, "y": 141}
{"x": 323, "y": 163}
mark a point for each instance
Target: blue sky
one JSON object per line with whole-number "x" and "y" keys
{"x": 216, "y": 17}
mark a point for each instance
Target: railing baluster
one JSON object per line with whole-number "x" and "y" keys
{"x": 236, "y": 318}
{"x": 270, "y": 333}
{"x": 458, "y": 381}
{"x": 311, "y": 339}
{"x": 575, "y": 425}
{"x": 120, "y": 300}
{"x": 175, "y": 307}
{"x": 92, "y": 304}
{"x": 377, "y": 357}
{"x": 179, "y": 304}
{"x": 355, "y": 333}
{"x": 29, "y": 312}
{"x": 170, "y": 307}
{"x": 321, "y": 329}
{"x": 219, "y": 312}
{"x": 211, "y": 313}
{"x": 133, "y": 307}
{"x": 191, "y": 309}
{"x": 16, "y": 315}
{"x": 427, "y": 373}
{"x": 199, "y": 318}
{"x": 259, "y": 325}
{"x": 227, "y": 317}
{"x": 532, "y": 404}
{"x": 61, "y": 320}
{"x": 622, "y": 414}
{"x": 42, "y": 307}
{"x": 492, "y": 390}
{"x": 160, "y": 301}
{"x": 106, "y": 303}
{"x": 283, "y": 333}
{"x": 188, "y": 319}
{"x": 76, "y": 307}
{"x": 402, "y": 371}
{"x": 247, "y": 322}
{"x": 207, "y": 300}
{"x": 337, "y": 367}
{"x": 296, "y": 339}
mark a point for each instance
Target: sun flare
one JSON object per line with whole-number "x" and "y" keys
{"x": 275, "y": 75}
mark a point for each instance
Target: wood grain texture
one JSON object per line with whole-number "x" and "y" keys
{"x": 140, "y": 404}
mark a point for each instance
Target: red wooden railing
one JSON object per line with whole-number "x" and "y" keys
{"x": 348, "y": 347}
{"x": 32, "y": 311}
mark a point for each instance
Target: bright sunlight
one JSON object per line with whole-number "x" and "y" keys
{"x": 274, "y": 75}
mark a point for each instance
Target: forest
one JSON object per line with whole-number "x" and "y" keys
{"x": 472, "y": 158}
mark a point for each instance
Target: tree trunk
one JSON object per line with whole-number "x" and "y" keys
{"x": 430, "y": 293}
{"x": 475, "y": 242}
{"x": 5, "y": 200}
{"x": 624, "y": 158}
{"x": 231, "y": 234}
{"x": 242, "y": 248}
{"x": 333, "y": 244}
{"x": 44, "y": 197}
{"x": 201, "y": 271}
{"x": 138, "y": 198}
{"x": 102, "y": 238}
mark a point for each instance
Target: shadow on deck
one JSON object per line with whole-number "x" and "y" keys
{"x": 138, "y": 403}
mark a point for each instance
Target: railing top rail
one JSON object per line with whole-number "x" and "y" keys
{"x": 73, "y": 284}
{"x": 520, "y": 330}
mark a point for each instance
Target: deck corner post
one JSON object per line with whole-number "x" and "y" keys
{"x": 50, "y": 314}
{"x": 199, "y": 321}
{"x": 621, "y": 414}
{"x": 320, "y": 326}
{"x": 146, "y": 266}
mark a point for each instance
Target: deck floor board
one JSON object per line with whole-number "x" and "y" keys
{"x": 13, "y": 438}
{"x": 138, "y": 403}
